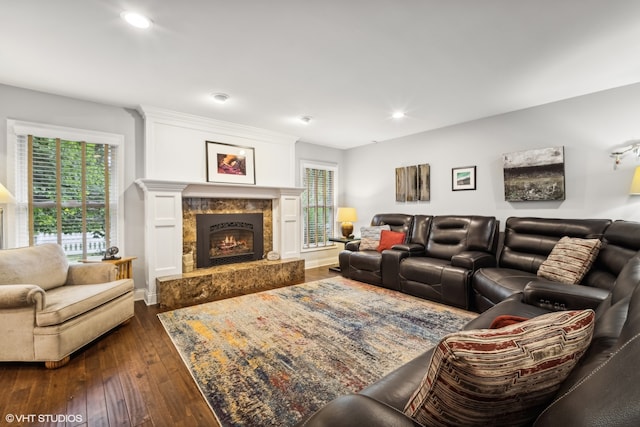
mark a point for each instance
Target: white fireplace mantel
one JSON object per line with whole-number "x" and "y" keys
{"x": 163, "y": 221}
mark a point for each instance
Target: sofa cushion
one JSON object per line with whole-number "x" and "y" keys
{"x": 370, "y": 236}
{"x": 389, "y": 238}
{"x": 66, "y": 302}
{"x": 501, "y": 376}
{"x": 44, "y": 265}
{"x": 569, "y": 260}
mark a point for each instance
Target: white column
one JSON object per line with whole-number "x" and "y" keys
{"x": 287, "y": 221}
{"x": 163, "y": 232}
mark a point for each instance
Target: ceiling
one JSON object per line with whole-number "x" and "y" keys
{"x": 347, "y": 64}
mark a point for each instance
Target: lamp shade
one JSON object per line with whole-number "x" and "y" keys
{"x": 347, "y": 215}
{"x": 635, "y": 183}
{"x": 5, "y": 196}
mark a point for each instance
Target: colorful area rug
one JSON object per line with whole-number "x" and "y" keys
{"x": 272, "y": 358}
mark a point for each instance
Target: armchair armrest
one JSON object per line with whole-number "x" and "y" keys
{"x": 473, "y": 260}
{"x": 14, "y": 296}
{"x": 561, "y": 296}
{"x": 88, "y": 274}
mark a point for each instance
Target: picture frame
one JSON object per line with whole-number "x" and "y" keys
{"x": 229, "y": 163}
{"x": 424, "y": 182}
{"x": 463, "y": 178}
{"x": 401, "y": 184}
{"x": 534, "y": 175}
{"x": 412, "y": 183}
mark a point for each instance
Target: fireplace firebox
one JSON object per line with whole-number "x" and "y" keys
{"x": 228, "y": 238}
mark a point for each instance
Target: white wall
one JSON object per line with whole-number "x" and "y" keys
{"x": 175, "y": 148}
{"x": 589, "y": 128}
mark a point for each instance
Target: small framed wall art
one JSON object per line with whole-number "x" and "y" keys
{"x": 463, "y": 178}
{"x": 233, "y": 164}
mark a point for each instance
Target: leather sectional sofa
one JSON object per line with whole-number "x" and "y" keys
{"x": 601, "y": 390}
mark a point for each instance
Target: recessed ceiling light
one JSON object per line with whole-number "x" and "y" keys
{"x": 220, "y": 98}
{"x": 305, "y": 119}
{"x": 398, "y": 115}
{"x": 135, "y": 19}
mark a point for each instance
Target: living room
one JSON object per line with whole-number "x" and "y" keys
{"x": 166, "y": 143}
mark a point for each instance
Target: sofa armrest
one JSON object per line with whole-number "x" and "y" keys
{"x": 14, "y": 296}
{"x": 473, "y": 260}
{"x": 352, "y": 246}
{"x": 91, "y": 273}
{"x": 357, "y": 410}
{"x": 556, "y": 296}
{"x": 410, "y": 248}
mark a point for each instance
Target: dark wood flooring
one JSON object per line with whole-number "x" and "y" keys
{"x": 132, "y": 376}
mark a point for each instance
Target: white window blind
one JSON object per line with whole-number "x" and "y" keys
{"x": 318, "y": 205}
{"x": 67, "y": 194}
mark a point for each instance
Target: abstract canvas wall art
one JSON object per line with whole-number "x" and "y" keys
{"x": 534, "y": 175}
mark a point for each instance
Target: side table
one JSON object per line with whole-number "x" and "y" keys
{"x": 125, "y": 269}
{"x": 344, "y": 241}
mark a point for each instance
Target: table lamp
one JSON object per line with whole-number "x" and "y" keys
{"x": 346, "y": 216}
{"x": 5, "y": 198}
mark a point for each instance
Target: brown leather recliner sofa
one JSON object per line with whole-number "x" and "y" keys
{"x": 601, "y": 390}
{"x": 436, "y": 260}
{"x": 528, "y": 242}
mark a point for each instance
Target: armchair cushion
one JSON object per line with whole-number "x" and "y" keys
{"x": 44, "y": 265}
{"x": 501, "y": 376}
{"x": 570, "y": 259}
{"x": 67, "y": 302}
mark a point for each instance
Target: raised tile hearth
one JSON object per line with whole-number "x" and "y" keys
{"x": 225, "y": 281}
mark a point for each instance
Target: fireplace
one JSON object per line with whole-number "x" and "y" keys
{"x": 228, "y": 238}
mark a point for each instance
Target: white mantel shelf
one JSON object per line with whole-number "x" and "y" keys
{"x": 218, "y": 190}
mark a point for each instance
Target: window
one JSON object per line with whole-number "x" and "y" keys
{"x": 318, "y": 204}
{"x": 66, "y": 190}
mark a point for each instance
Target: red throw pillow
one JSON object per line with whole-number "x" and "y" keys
{"x": 506, "y": 320}
{"x": 390, "y": 238}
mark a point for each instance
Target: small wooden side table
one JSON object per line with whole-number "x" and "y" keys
{"x": 125, "y": 269}
{"x": 344, "y": 241}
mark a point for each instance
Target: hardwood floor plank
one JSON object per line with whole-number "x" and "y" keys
{"x": 96, "y": 401}
{"x": 133, "y": 379}
{"x": 131, "y": 376}
{"x": 77, "y": 390}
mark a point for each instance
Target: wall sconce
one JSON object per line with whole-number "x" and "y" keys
{"x": 618, "y": 154}
{"x": 635, "y": 183}
{"x": 346, "y": 216}
{"x": 5, "y": 198}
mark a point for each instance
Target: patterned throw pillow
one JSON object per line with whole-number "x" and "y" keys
{"x": 501, "y": 376}
{"x": 389, "y": 238}
{"x": 569, "y": 260}
{"x": 370, "y": 237}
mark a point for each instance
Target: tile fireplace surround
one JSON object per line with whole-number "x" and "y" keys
{"x": 170, "y": 209}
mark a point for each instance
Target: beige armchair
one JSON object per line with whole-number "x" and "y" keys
{"x": 50, "y": 308}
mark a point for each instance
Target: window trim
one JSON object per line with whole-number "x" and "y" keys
{"x": 20, "y": 127}
{"x": 314, "y": 164}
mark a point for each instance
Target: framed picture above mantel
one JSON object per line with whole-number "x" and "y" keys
{"x": 228, "y": 163}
